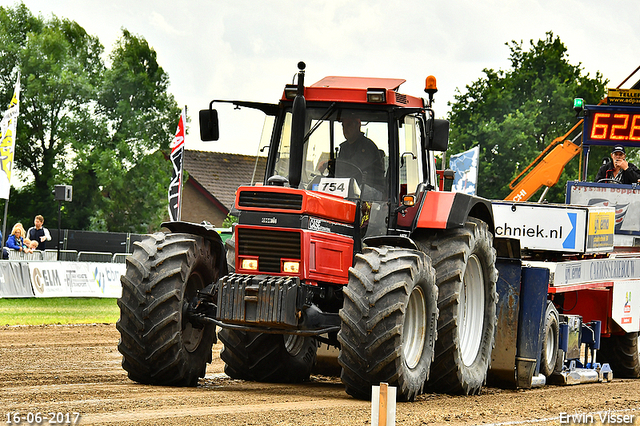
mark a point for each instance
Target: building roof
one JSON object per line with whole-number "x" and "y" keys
{"x": 221, "y": 173}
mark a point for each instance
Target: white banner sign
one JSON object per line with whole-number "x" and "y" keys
{"x": 625, "y": 309}
{"x": 76, "y": 279}
{"x": 542, "y": 227}
{"x": 596, "y": 270}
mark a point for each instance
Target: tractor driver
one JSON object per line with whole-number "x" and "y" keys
{"x": 618, "y": 169}
{"x": 359, "y": 151}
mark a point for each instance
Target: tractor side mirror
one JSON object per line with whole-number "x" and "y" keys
{"x": 440, "y": 140}
{"x": 209, "y": 129}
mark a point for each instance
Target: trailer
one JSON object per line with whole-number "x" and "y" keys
{"x": 583, "y": 318}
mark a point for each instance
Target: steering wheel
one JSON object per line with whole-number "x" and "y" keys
{"x": 348, "y": 169}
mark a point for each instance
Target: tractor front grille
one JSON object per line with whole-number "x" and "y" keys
{"x": 270, "y": 200}
{"x": 269, "y": 245}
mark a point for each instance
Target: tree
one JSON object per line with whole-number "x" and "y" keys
{"x": 513, "y": 115}
{"x": 138, "y": 117}
{"x": 60, "y": 66}
{"x": 98, "y": 128}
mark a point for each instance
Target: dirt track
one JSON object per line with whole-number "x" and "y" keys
{"x": 67, "y": 369}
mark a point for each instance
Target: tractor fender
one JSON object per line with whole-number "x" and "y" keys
{"x": 391, "y": 240}
{"x": 207, "y": 231}
{"x": 447, "y": 210}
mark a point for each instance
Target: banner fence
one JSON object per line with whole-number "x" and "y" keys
{"x": 60, "y": 279}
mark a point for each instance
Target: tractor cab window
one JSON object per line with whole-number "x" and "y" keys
{"x": 345, "y": 152}
{"x": 410, "y": 155}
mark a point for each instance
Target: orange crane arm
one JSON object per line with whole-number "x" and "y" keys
{"x": 546, "y": 169}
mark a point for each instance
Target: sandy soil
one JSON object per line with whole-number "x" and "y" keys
{"x": 76, "y": 369}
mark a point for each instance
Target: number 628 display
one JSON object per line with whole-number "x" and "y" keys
{"x": 613, "y": 126}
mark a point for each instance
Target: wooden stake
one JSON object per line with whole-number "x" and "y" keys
{"x": 382, "y": 412}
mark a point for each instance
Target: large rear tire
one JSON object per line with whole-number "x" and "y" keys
{"x": 158, "y": 344}
{"x": 550, "y": 341}
{"x": 622, "y": 354}
{"x": 464, "y": 260}
{"x": 271, "y": 358}
{"x": 389, "y": 320}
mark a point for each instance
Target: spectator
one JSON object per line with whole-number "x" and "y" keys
{"x": 38, "y": 234}
{"x": 16, "y": 241}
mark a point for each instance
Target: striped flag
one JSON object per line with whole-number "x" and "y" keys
{"x": 7, "y": 141}
{"x": 177, "y": 156}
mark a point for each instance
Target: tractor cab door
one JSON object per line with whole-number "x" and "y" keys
{"x": 416, "y": 165}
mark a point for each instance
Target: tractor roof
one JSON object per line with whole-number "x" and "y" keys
{"x": 354, "y": 89}
{"x": 359, "y": 83}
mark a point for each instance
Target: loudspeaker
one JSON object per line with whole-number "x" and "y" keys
{"x": 62, "y": 193}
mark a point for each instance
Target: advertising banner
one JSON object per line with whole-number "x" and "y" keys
{"x": 76, "y": 279}
{"x": 625, "y": 199}
{"x": 595, "y": 270}
{"x": 14, "y": 280}
{"x": 625, "y": 309}
{"x": 542, "y": 227}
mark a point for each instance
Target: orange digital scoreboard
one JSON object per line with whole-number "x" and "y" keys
{"x": 612, "y": 125}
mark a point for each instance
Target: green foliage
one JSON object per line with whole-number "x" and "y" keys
{"x": 58, "y": 310}
{"x": 513, "y": 115}
{"x": 142, "y": 117}
{"x": 229, "y": 220}
{"x": 99, "y": 128}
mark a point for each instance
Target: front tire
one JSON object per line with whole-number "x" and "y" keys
{"x": 389, "y": 320}
{"x": 158, "y": 344}
{"x": 464, "y": 259}
{"x": 622, "y": 354}
{"x": 271, "y": 358}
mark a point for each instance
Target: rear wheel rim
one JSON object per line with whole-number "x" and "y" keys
{"x": 191, "y": 336}
{"x": 550, "y": 344}
{"x": 471, "y": 314}
{"x": 414, "y": 328}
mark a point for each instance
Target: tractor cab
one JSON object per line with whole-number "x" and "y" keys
{"x": 354, "y": 138}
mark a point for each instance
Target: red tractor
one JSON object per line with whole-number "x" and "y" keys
{"x": 349, "y": 242}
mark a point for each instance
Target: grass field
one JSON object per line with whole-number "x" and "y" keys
{"x": 58, "y": 310}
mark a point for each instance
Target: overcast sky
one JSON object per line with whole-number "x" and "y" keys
{"x": 248, "y": 50}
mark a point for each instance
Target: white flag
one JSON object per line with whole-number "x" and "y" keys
{"x": 177, "y": 155}
{"x": 7, "y": 142}
{"x": 465, "y": 166}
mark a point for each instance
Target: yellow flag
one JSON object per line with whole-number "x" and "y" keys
{"x": 7, "y": 141}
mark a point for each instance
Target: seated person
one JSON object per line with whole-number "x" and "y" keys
{"x": 360, "y": 151}
{"x": 618, "y": 169}
{"x": 33, "y": 245}
{"x": 16, "y": 241}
